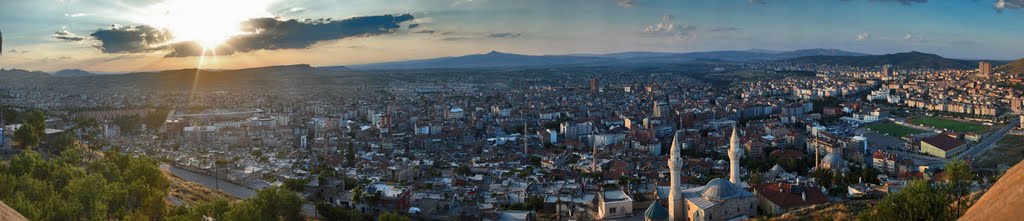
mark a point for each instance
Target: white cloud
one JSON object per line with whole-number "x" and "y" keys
{"x": 625, "y": 3}
{"x": 913, "y": 38}
{"x": 863, "y": 36}
{"x": 1001, "y": 5}
{"x": 668, "y": 26}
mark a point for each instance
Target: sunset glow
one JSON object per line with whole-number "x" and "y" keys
{"x": 209, "y": 23}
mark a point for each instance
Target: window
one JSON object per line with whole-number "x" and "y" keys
{"x": 612, "y": 210}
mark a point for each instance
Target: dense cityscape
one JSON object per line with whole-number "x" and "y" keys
{"x": 394, "y": 110}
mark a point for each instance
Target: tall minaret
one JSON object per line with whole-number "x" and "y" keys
{"x": 593, "y": 144}
{"x": 734, "y": 157}
{"x": 676, "y": 202}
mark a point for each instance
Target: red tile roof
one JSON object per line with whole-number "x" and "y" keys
{"x": 943, "y": 142}
{"x": 790, "y": 195}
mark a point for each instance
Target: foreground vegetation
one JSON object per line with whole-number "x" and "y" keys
{"x": 922, "y": 200}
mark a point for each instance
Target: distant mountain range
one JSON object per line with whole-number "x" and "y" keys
{"x": 72, "y": 73}
{"x": 496, "y": 59}
{"x": 912, "y": 59}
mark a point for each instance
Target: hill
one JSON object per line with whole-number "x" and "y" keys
{"x": 912, "y": 59}
{"x": 1014, "y": 67}
{"x": 496, "y": 59}
{"x": 18, "y": 74}
{"x": 72, "y": 73}
{"x": 493, "y": 59}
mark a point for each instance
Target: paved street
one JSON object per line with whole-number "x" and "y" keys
{"x": 988, "y": 142}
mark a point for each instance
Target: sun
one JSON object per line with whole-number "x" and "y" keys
{"x": 210, "y": 23}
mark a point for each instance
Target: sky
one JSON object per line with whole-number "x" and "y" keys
{"x": 117, "y": 36}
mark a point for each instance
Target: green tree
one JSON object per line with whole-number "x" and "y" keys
{"x": 64, "y": 142}
{"x": 958, "y": 187}
{"x": 350, "y": 155}
{"x": 392, "y": 217}
{"x": 90, "y": 132}
{"x": 270, "y": 204}
{"x": 26, "y": 137}
{"x": 330, "y": 212}
{"x": 919, "y": 200}
{"x": 10, "y": 115}
{"x": 37, "y": 119}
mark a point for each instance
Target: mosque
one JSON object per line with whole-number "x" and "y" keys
{"x": 720, "y": 199}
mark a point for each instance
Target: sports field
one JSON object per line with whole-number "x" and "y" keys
{"x": 893, "y": 129}
{"x": 943, "y": 123}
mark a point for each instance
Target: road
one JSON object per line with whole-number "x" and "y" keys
{"x": 228, "y": 187}
{"x": 988, "y": 142}
{"x": 975, "y": 150}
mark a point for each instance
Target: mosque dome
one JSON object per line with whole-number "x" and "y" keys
{"x": 776, "y": 169}
{"x": 719, "y": 190}
{"x": 833, "y": 162}
{"x": 656, "y": 212}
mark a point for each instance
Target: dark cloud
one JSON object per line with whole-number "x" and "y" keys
{"x": 504, "y": 35}
{"x": 411, "y": 26}
{"x": 67, "y": 36}
{"x": 15, "y": 51}
{"x": 260, "y": 34}
{"x": 725, "y": 29}
{"x": 276, "y": 34}
{"x": 425, "y": 31}
{"x": 131, "y": 39}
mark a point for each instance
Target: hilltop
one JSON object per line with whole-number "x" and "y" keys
{"x": 1014, "y": 67}
{"x": 913, "y": 59}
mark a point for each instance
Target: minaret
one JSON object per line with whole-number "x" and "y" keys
{"x": 817, "y": 156}
{"x": 676, "y": 202}
{"x": 526, "y": 147}
{"x": 734, "y": 157}
{"x": 593, "y": 144}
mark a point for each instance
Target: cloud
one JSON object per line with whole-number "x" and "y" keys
{"x": 903, "y": 2}
{"x": 424, "y": 31}
{"x": 15, "y": 51}
{"x": 67, "y": 36}
{"x": 258, "y": 34}
{"x": 1001, "y": 5}
{"x": 132, "y": 39}
{"x": 504, "y": 35}
{"x": 725, "y": 29}
{"x": 457, "y": 3}
{"x": 863, "y": 36}
{"x": 625, "y": 3}
{"x": 290, "y": 11}
{"x": 668, "y": 26}
{"x": 914, "y": 38}
{"x": 76, "y": 15}
{"x": 964, "y": 43}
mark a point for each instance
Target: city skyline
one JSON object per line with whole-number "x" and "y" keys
{"x": 105, "y": 35}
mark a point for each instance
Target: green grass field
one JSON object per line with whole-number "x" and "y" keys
{"x": 893, "y": 129}
{"x": 942, "y": 123}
